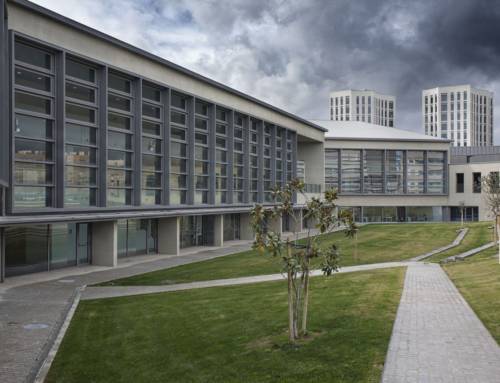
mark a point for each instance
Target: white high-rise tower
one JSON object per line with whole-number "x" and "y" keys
{"x": 460, "y": 113}
{"x": 362, "y": 105}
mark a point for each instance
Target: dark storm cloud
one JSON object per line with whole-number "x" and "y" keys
{"x": 293, "y": 53}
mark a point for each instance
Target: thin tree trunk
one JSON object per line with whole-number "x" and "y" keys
{"x": 306, "y": 302}
{"x": 291, "y": 332}
{"x": 498, "y": 231}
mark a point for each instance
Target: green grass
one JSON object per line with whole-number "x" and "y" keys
{"x": 478, "y": 279}
{"x": 480, "y": 233}
{"x": 376, "y": 243}
{"x": 234, "y": 334}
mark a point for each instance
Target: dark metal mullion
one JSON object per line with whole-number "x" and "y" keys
{"x": 246, "y": 159}
{"x": 60, "y": 64}
{"x": 137, "y": 156}
{"x": 102, "y": 139}
{"x": 190, "y": 150}
{"x": 294, "y": 162}
{"x": 273, "y": 155}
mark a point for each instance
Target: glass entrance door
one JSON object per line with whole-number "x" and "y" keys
{"x": 83, "y": 243}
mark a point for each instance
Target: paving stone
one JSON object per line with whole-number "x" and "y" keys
{"x": 447, "y": 340}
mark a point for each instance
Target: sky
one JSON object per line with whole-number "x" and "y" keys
{"x": 292, "y": 54}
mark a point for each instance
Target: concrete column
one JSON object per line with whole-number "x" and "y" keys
{"x": 2, "y": 254}
{"x": 246, "y": 231}
{"x": 219, "y": 230}
{"x": 105, "y": 243}
{"x": 296, "y": 222}
{"x": 169, "y": 235}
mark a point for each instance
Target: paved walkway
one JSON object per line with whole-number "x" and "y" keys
{"x": 455, "y": 243}
{"x": 122, "y": 291}
{"x": 437, "y": 337}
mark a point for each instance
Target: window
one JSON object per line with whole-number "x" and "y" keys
{"x": 120, "y": 138}
{"x": 33, "y": 127}
{"x": 351, "y": 171}
{"x": 254, "y": 161}
{"x": 267, "y": 172}
{"x": 201, "y": 165}
{"x": 238, "y": 160}
{"x": 373, "y": 171}
{"x": 476, "y": 182}
{"x": 221, "y": 156}
{"x": 394, "y": 165}
{"x": 459, "y": 182}
{"x": 80, "y": 153}
{"x": 435, "y": 172}
{"x": 152, "y": 146}
{"x": 415, "y": 172}
{"x": 332, "y": 169}
{"x": 178, "y": 150}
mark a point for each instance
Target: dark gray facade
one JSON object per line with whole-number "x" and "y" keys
{"x": 4, "y": 102}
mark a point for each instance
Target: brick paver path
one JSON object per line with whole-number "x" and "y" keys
{"x": 437, "y": 337}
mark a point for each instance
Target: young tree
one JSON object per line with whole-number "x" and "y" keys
{"x": 491, "y": 188}
{"x": 296, "y": 256}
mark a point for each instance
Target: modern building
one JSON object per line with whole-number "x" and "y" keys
{"x": 461, "y": 113}
{"x": 108, "y": 151}
{"x": 468, "y": 166}
{"x": 362, "y": 105}
{"x": 387, "y": 174}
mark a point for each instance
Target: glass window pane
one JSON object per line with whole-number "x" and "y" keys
{"x": 177, "y": 197}
{"x": 119, "y": 122}
{"x": 151, "y": 163}
{"x": 395, "y": 171}
{"x": 32, "y": 80}
{"x": 373, "y": 171}
{"x": 119, "y": 159}
{"x": 80, "y": 113}
{"x": 32, "y": 196}
{"x": 33, "y": 174}
{"x": 178, "y": 118}
{"x": 119, "y": 178}
{"x": 153, "y": 128}
{"x": 151, "y": 180}
{"x": 151, "y": 93}
{"x": 62, "y": 245}
{"x": 33, "y": 103}
{"x": 79, "y": 197}
{"x": 119, "y": 140}
{"x": 415, "y": 170}
{"x": 80, "y": 92}
{"x": 178, "y": 100}
{"x": 151, "y": 197}
{"x": 151, "y": 111}
{"x": 177, "y": 149}
{"x": 200, "y": 153}
{"x": 178, "y": 181}
{"x": 34, "y": 127}
{"x": 178, "y": 165}
{"x": 80, "y": 176}
{"x": 201, "y": 108}
{"x": 151, "y": 145}
{"x": 119, "y": 197}
{"x": 81, "y": 71}
{"x": 201, "y": 124}
{"x": 33, "y": 150}
{"x": 200, "y": 138}
{"x": 79, "y": 134}
{"x": 436, "y": 172}
{"x": 119, "y": 83}
{"x": 80, "y": 155}
{"x": 26, "y": 249}
{"x": 178, "y": 134}
{"x": 118, "y": 102}
{"x": 33, "y": 56}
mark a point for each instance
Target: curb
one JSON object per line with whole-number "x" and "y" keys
{"x": 49, "y": 359}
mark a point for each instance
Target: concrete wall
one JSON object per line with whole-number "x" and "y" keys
{"x": 388, "y": 200}
{"x": 246, "y": 231}
{"x": 468, "y": 197}
{"x": 169, "y": 236}
{"x": 313, "y": 154}
{"x": 387, "y": 144}
{"x": 219, "y": 230}
{"x": 105, "y": 243}
{"x": 57, "y": 33}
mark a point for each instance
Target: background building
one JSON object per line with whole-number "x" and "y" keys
{"x": 362, "y": 105}
{"x": 461, "y": 113}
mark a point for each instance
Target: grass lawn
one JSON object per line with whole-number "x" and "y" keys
{"x": 234, "y": 334}
{"x": 478, "y": 279}
{"x": 479, "y": 234}
{"x": 376, "y": 243}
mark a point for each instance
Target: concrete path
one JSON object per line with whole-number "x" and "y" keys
{"x": 122, "y": 291}
{"x": 437, "y": 337}
{"x": 455, "y": 243}
{"x": 467, "y": 254}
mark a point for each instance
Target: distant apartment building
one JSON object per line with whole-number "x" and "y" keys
{"x": 460, "y": 113}
{"x": 362, "y": 105}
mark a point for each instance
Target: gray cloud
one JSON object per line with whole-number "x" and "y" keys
{"x": 293, "y": 53}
